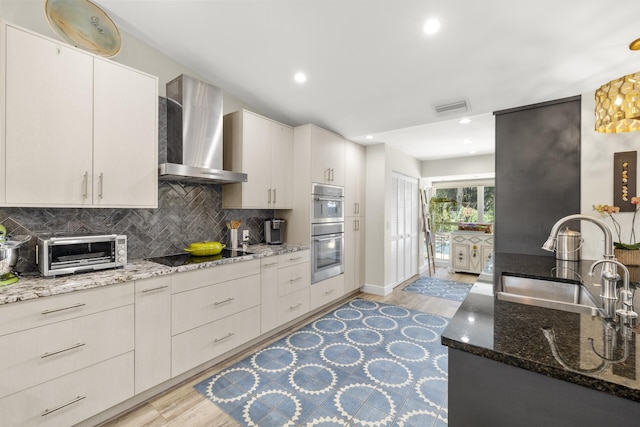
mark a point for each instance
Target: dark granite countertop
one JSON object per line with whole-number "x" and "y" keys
{"x": 512, "y": 333}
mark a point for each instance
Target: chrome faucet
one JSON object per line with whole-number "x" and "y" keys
{"x": 609, "y": 275}
{"x": 626, "y": 312}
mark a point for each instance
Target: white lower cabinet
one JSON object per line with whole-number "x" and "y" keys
{"x": 41, "y": 354}
{"x": 66, "y": 358}
{"x": 327, "y": 291}
{"x": 153, "y": 332}
{"x": 71, "y": 398}
{"x": 199, "y": 345}
{"x": 286, "y": 280}
{"x": 213, "y": 310}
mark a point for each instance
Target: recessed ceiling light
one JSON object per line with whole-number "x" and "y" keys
{"x": 466, "y": 141}
{"x": 431, "y": 26}
{"x": 300, "y": 77}
{"x": 465, "y": 121}
{"x": 369, "y": 137}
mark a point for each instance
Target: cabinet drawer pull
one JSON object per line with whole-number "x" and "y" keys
{"x": 62, "y": 350}
{"x": 54, "y": 310}
{"x": 223, "y": 302}
{"x": 266, "y": 265}
{"x": 296, "y": 279}
{"x": 295, "y": 258}
{"x": 71, "y": 402}
{"x": 229, "y": 335}
{"x": 330, "y": 291}
{"x": 154, "y": 289}
{"x": 293, "y": 307}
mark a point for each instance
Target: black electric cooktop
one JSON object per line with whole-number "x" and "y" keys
{"x": 184, "y": 259}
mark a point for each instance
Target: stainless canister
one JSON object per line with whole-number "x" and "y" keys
{"x": 568, "y": 245}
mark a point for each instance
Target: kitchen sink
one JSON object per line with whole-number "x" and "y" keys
{"x": 564, "y": 296}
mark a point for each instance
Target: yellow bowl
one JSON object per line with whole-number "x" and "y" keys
{"x": 205, "y": 248}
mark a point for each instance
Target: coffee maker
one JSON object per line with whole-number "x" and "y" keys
{"x": 274, "y": 231}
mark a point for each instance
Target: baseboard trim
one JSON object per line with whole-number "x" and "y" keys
{"x": 377, "y": 289}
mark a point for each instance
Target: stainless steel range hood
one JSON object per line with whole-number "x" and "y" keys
{"x": 194, "y": 134}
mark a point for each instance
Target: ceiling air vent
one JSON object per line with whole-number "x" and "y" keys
{"x": 451, "y": 108}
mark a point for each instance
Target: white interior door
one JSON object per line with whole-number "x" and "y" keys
{"x": 404, "y": 228}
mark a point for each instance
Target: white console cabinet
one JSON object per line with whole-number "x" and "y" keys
{"x": 470, "y": 251}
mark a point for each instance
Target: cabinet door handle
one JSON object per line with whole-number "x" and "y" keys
{"x": 295, "y": 258}
{"x": 269, "y": 201}
{"x": 331, "y": 174}
{"x": 224, "y": 301}
{"x": 54, "y": 310}
{"x": 330, "y": 291}
{"x": 293, "y": 307}
{"x": 154, "y": 289}
{"x": 355, "y": 228}
{"x": 274, "y": 195}
{"x": 100, "y": 179}
{"x": 62, "y": 350}
{"x": 357, "y": 207}
{"x": 85, "y": 185}
{"x": 229, "y": 335}
{"x": 270, "y": 264}
{"x": 57, "y": 408}
{"x": 296, "y": 279}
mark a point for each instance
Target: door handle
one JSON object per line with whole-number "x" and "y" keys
{"x": 85, "y": 185}
{"x": 100, "y": 179}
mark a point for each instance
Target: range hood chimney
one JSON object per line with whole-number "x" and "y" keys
{"x": 194, "y": 134}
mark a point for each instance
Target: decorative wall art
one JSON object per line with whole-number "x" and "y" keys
{"x": 624, "y": 180}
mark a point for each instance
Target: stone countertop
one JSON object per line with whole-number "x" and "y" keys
{"x": 511, "y": 333}
{"x": 36, "y": 286}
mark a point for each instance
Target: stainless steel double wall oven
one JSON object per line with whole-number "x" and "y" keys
{"x": 327, "y": 231}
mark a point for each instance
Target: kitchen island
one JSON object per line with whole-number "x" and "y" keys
{"x": 503, "y": 372}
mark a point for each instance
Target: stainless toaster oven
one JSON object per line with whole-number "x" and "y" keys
{"x": 80, "y": 254}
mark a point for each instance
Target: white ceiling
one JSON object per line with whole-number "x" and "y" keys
{"x": 373, "y": 71}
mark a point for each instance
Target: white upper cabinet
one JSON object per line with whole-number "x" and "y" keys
{"x": 354, "y": 187}
{"x": 79, "y": 130}
{"x": 327, "y": 157}
{"x": 263, "y": 149}
{"x": 48, "y": 122}
{"x": 125, "y": 144}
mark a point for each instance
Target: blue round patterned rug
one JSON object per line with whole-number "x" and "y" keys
{"x": 365, "y": 363}
{"x": 440, "y": 288}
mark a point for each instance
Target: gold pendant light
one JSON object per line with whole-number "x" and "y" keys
{"x": 618, "y": 105}
{"x": 618, "y": 102}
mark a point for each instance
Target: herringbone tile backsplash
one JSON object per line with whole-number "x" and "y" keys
{"x": 186, "y": 213}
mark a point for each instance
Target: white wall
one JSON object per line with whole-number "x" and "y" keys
{"x": 597, "y": 151}
{"x": 382, "y": 161}
{"x": 29, "y": 14}
{"x": 472, "y": 165}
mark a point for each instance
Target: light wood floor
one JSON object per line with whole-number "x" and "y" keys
{"x": 184, "y": 406}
